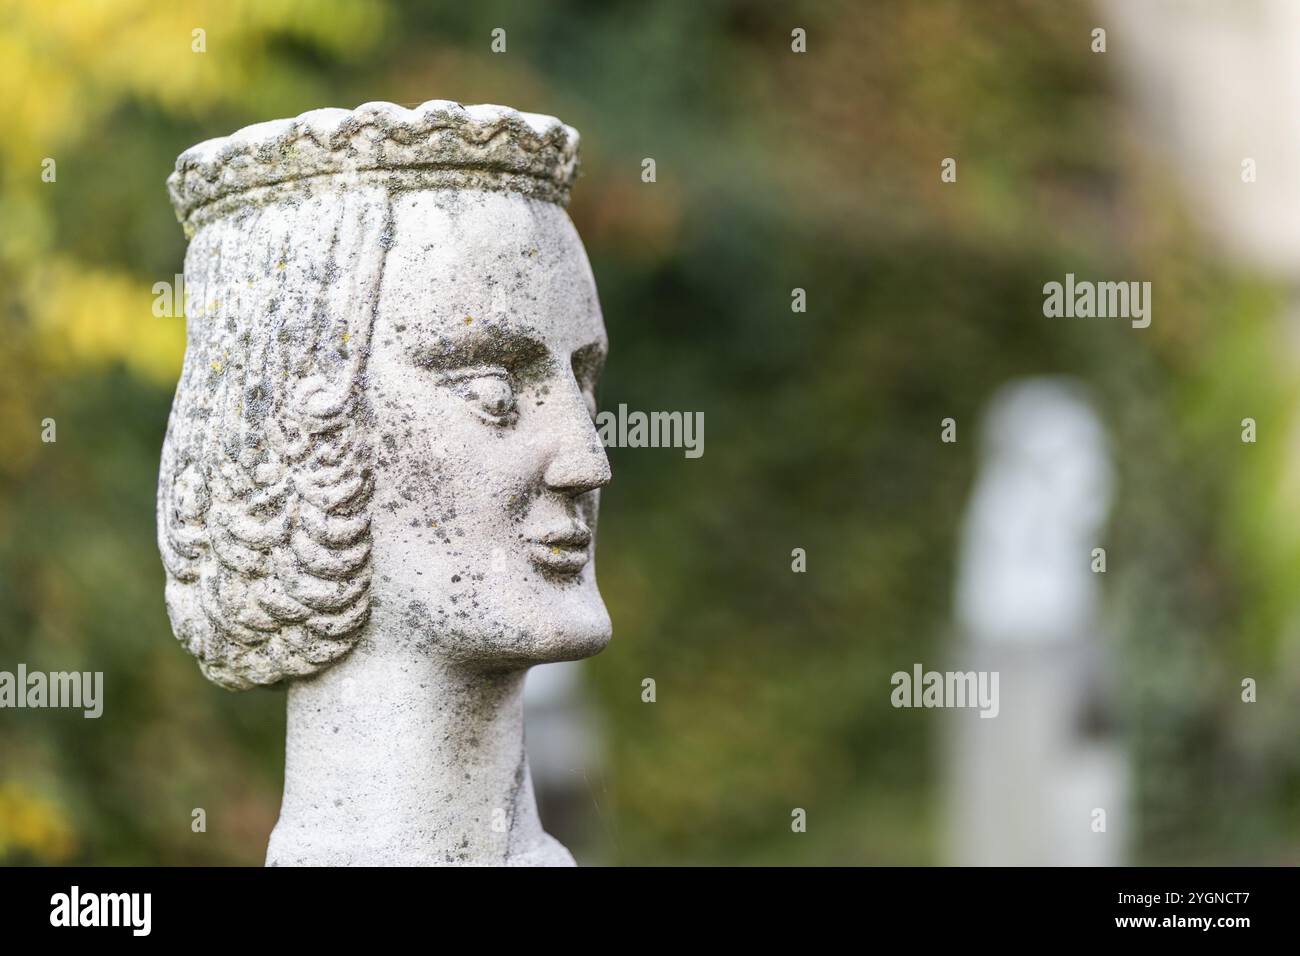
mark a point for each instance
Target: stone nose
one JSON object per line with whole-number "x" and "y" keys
{"x": 577, "y": 462}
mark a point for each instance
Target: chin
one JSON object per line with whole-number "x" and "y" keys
{"x": 583, "y": 629}
{"x": 535, "y": 629}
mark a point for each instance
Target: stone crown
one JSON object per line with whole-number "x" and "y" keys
{"x": 436, "y": 143}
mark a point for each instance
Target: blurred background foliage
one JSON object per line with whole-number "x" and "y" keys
{"x": 775, "y": 171}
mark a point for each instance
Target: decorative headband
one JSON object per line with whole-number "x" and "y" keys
{"x": 437, "y": 144}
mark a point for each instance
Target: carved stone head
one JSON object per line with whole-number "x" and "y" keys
{"x": 386, "y": 406}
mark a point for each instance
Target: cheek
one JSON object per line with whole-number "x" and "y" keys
{"x": 443, "y": 470}
{"x": 440, "y": 463}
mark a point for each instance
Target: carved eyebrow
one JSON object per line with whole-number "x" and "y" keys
{"x": 487, "y": 343}
{"x": 588, "y": 362}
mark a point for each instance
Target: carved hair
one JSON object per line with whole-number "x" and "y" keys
{"x": 266, "y": 473}
{"x": 266, "y": 476}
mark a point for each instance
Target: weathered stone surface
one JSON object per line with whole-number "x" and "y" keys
{"x": 381, "y": 475}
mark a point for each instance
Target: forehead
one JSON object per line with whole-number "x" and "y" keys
{"x": 461, "y": 260}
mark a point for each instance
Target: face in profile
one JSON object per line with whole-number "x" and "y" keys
{"x": 486, "y": 350}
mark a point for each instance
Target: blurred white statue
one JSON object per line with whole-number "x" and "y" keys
{"x": 1025, "y": 788}
{"x": 1042, "y": 496}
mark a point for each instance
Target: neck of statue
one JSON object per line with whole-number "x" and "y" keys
{"x": 396, "y": 756}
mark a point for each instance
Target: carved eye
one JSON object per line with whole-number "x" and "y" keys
{"x": 490, "y": 396}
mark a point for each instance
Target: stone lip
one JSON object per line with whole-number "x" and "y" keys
{"x": 486, "y": 146}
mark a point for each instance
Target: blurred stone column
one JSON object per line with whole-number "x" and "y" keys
{"x": 1216, "y": 84}
{"x": 1216, "y": 88}
{"x": 561, "y": 735}
{"x": 1022, "y": 787}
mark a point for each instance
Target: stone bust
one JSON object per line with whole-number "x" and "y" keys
{"x": 380, "y": 477}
